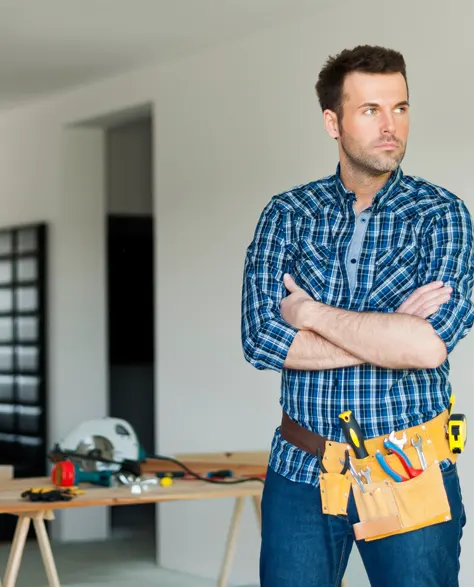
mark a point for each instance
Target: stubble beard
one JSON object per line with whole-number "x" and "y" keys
{"x": 368, "y": 163}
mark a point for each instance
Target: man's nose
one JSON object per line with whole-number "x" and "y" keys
{"x": 388, "y": 124}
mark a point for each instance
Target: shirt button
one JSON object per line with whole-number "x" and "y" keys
{"x": 353, "y": 260}
{"x": 362, "y": 219}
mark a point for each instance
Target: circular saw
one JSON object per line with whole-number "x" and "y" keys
{"x": 101, "y": 444}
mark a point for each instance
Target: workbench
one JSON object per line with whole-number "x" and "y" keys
{"x": 37, "y": 512}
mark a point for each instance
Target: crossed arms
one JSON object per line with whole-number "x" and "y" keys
{"x": 329, "y": 338}
{"x": 283, "y": 327}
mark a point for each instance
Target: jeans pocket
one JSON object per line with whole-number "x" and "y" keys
{"x": 449, "y": 471}
{"x": 454, "y": 492}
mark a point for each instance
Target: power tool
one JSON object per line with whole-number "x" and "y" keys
{"x": 103, "y": 450}
{"x": 68, "y": 474}
{"x": 111, "y": 439}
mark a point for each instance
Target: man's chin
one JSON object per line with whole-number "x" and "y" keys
{"x": 375, "y": 164}
{"x": 388, "y": 168}
{"x": 387, "y": 164}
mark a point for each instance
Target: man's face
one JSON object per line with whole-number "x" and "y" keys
{"x": 375, "y": 121}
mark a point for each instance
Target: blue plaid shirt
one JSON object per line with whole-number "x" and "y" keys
{"x": 416, "y": 233}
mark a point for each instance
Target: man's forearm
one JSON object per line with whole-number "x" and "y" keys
{"x": 394, "y": 341}
{"x": 311, "y": 352}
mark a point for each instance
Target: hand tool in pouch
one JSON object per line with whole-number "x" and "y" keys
{"x": 418, "y": 445}
{"x": 354, "y": 473}
{"x": 456, "y": 429}
{"x": 403, "y": 458}
{"x": 344, "y": 462}
{"x": 388, "y": 469}
{"x": 400, "y": 442}
{"x": 367, "y": 474}
{"x": 353, "y": 434}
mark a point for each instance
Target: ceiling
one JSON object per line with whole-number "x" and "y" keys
{"x": 51, "y": 45}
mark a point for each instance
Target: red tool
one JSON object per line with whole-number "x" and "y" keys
{"x": 402, "y": 457}
{"x": 388, "y": 469}
{"x": 63, "y": 474}
{"x": 66, "y": 474}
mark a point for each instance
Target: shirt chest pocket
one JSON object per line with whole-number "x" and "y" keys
{"x": 311, "y": 267}
{"x": 405, "y": 256}
{"x": 395, "y": 276}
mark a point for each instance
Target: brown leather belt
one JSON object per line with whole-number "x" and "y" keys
{"x": 301, "y": 437}
{"x": 432, "y": 431}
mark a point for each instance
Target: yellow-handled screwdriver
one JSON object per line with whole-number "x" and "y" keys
{"x": 353, "y": 434}
{"x": 452, "y": 400}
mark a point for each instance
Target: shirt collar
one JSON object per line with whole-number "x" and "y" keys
{"x": 348, "y": 197}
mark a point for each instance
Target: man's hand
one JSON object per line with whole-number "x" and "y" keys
{"x": 426, "y": 300}
{"x": 423, "y": 302}
{"x": 294, "y": 307}
{"x": 403, "y": 340}
{"x": 310, "y": 351}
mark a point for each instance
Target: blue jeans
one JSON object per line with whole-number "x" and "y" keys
{"x": 302, "y": 547}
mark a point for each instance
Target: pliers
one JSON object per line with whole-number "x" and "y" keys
{"x": 345, "y": 466}
{"x": 402, "y": 457}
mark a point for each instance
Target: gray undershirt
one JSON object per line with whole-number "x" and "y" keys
{"x": 353, "y": 253}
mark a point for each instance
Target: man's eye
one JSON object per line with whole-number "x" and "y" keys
{"x": 370, "y": 111}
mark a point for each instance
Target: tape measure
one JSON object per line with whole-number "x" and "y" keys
{"x": 456, "y": 430}
{"x": 457, "y": 433}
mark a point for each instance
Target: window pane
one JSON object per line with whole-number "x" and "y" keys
{"x": 28, "y": 419}
{"x": 7, "y": 418}
{"x": 26, "y": 241}
{"x": 27, "y": 269}
{"x": 6, "y": 388}
{"x": 6, "y": 243}
{"x": 28, "y": 390}
{"x": 27, "y": 329}
{"x": 6, "y": 300}
{"x": 6, "y": 358}
{"x": 27, "y": 299}
{"x": 27, "y": 358}
{"x": 6, "y": 329}
{"x": 6, "y": 273}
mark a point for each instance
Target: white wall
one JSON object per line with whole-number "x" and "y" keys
{"x": 77, "y": 305}
{"x": 129, "y": 168}
{"x": 233, "y": 126}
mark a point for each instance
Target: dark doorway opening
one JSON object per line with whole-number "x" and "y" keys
{"x": 130, "y": 293}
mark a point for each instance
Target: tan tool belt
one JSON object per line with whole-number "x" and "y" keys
{"x": 386, "y": 506}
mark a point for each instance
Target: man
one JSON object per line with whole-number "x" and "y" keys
{"x": 357, "y": 287}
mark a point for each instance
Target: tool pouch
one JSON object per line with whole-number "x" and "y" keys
{"x": 388, "y": 507}
{"x": 335, "y": 489}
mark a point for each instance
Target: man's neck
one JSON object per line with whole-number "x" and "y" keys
{"x": 364, "y": 185}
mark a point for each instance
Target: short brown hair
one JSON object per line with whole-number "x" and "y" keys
{"x": 363, "y": 58}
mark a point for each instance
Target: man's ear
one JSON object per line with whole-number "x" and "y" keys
{"x": 331, "y": 124}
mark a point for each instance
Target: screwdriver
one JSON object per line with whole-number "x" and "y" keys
{"x": 353, "y": 434}
{"x": 452, "y": 399}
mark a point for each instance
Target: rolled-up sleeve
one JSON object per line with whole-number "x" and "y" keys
{"x": 266, "y": 337}
{"x": 448, "y": 255}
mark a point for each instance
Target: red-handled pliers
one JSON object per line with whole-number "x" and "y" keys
{"x": 402, "y": 457}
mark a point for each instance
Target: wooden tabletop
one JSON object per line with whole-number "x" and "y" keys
{"x": 12, "y": 502}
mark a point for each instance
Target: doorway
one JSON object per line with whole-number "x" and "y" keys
{"x": 130, "y": 298}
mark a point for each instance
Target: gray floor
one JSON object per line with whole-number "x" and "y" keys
{"x": 100, "y": 565}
